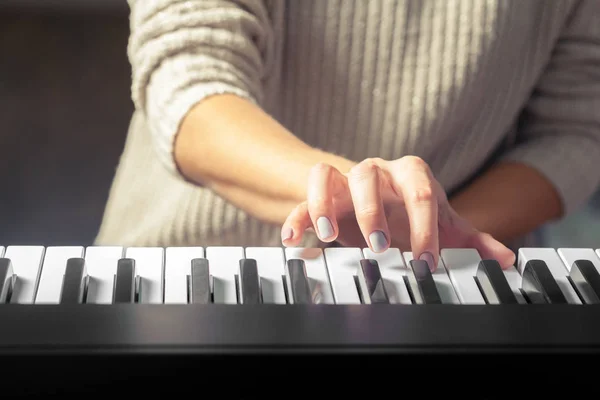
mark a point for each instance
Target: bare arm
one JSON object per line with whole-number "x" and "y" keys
{"x": 554, "y": 168}
{"x": 508, "y": 201}
{"x": 198, "y": 68}
{"x": 231, "y": 146}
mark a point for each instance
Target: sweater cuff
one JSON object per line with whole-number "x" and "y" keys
{"x": 569, "y": 163}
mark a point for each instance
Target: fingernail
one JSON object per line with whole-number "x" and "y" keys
{"x": 286, "y": 233}
{"x": 429, "y": 259}
{"x": 325, "y": 227}
{"x": 378, "y": 241}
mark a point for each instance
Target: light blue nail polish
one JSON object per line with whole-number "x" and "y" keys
{"x": 325, "y": 228}
{"x": 378, "y": 241}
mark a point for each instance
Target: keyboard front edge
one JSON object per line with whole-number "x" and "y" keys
{"x": 304, "y": 329}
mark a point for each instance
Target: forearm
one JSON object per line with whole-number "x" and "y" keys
{"x": 231, "y": 146}
{"x": 508, "y": 201}
{"x": 265, "y": 208}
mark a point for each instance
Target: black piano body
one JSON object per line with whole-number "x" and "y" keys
{"x": 95, "y": 347}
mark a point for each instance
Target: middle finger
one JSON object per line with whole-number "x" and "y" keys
{"x": 364, "y": 182}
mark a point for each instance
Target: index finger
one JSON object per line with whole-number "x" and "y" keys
{"x": 413, "y": 181}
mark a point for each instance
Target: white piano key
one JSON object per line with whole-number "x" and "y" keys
{"x": 393, "y": 270}
{"x": 224, "y": 264}
{"x": 149, "y": 266}
{"x": 570, "y": 255}
{"x": 101, "y": 265}
{"x": 555, "y": 265}
{"x": 342, "y": 264}
{"x": 270, "y": 262}
{"x": 53, "y": 269}
{"x": 461, "y": 265}
{"x": 442, "y": 281}
{"x": 514, "y": 281}
{"x": 1, "y": 251}
{"x": 316, "y": 270}
{"x": 27, "y": 263}
{"x": 178, "y": 266}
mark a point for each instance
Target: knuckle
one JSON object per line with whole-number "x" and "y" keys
{"x": 415, "y": 160}
{"x": 318, "y": 202}
{"x": 486, "y": 236}
{"x": 365, "y": 168}
{"x": 422, "y": 195}
{"x": 378, "y": 161}
{"x": 322, "y": 168}
{"x": 422, "y": 236}
{"x": 368, "y": 211}
{"x": 300, "y": 209}
{"x": 416, "y": 163}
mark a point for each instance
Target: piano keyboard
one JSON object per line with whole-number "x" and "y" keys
{"x": 94, "y": 310}
{"x": 273, "y": 275}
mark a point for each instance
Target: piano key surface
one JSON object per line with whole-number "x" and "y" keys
{"x": 149, "y": 266}
{"x": 393, "y": 269}
{"x": 317, "y": 272}
{"x": 101, "y": 263}
{"x": 271, "y": 269}
{"x": 332, "y": 273}
{"x": 178, "y": 264}
{"x": 556, "y": 266}
{"x": 6, "y": 279}
{"x": 224, "y": 263}
{"x": 27, "y": 265}
{"x": 327, "y": 328}
{"x": 570, "y": 255}
{"x": 53, "y": 269}
{"x": 342, "y": 264}
{"x": 442, "y": 281}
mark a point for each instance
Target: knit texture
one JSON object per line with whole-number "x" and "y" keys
{"x": 458, "y": 83}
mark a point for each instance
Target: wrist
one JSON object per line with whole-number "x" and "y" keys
{"x": 308, "y": 158}
{"x": 228, "y": 144}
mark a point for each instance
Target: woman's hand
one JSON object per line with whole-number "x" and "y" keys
{"x": 383, "y": 204}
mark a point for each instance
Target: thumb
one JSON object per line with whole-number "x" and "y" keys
{"x": 490, "y": 248}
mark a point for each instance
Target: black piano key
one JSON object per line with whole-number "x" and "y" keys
{"x": 494, "y": 284}
{"x": 125, "y": 281}
{"x": 249, "y": 282}
{"x": 425, "y": 282}
{"x": 297, "y": 281}
{"x": 200, "y": 282}
{"x": 586, "y": 279}
{"x": 539, "y": 284}
{"x": 6, "y": 279}
{"x": 74, "y": 282}
{"x": 371, "y": 283}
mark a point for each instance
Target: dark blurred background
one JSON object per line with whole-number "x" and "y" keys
{"x": 64, "y": 111}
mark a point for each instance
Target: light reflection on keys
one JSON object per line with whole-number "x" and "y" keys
{"x": 316, "y": 270}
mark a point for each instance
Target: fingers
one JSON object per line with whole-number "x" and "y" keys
{"x": 364, "y": 182}
{"x": 485, "y": 244}
{"x": 294, "y": 226}
{"x": 318, "y": 212}
{"x": 413, "y": 181}
{"x": 323, "y": 182}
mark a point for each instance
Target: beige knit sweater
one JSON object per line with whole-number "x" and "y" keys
{"x": 459, "y": 83}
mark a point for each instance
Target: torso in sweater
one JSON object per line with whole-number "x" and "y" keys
{"x": 444, "y": 80}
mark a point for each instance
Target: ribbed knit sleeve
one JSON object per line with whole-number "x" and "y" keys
{"x": 184, "y": 51}
{"x": 560, "y": 133}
